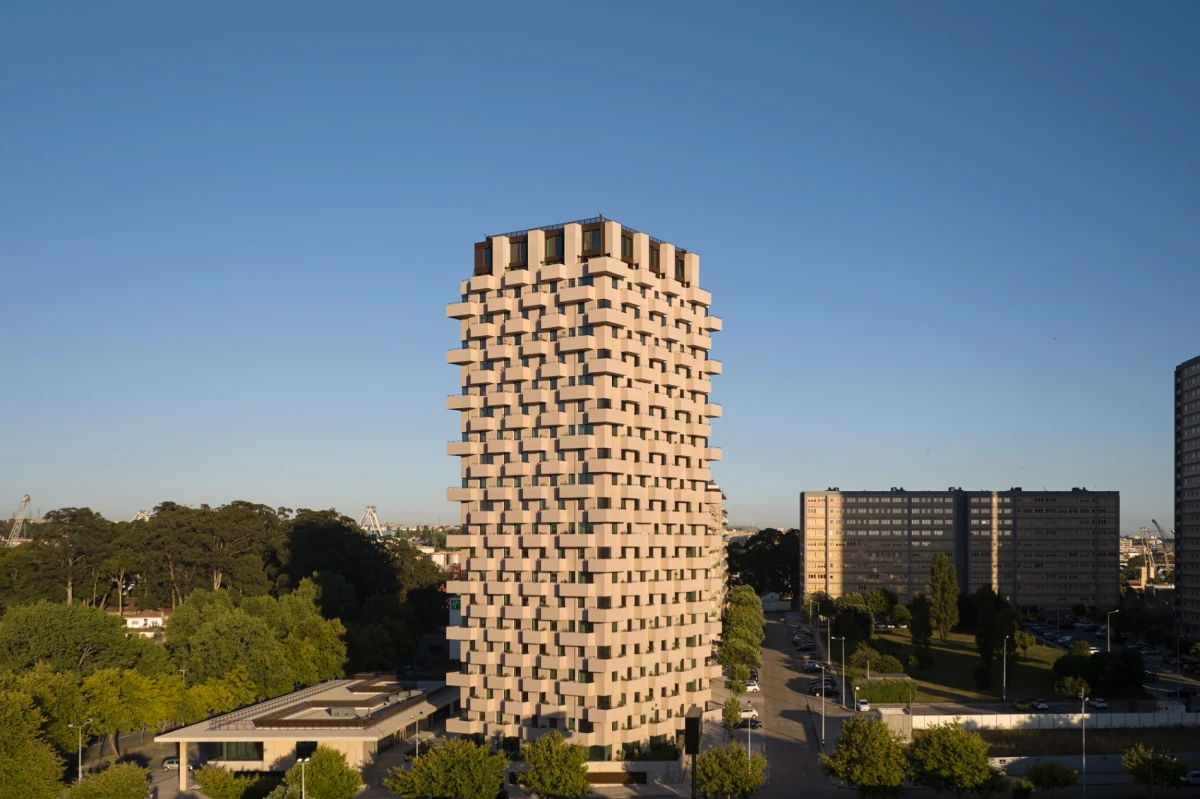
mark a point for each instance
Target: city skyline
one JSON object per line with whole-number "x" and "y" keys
{"x": 230, "y": 270}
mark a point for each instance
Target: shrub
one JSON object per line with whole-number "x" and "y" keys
{"x": 887, "y": 691}
{"x": 1021, "y": 788}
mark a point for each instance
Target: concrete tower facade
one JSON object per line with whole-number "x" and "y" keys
{"x": 594, "y": 573}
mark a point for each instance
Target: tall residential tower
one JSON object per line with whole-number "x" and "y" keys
{"x": 590, "y": 596}
{"x": 1187, "y": 494}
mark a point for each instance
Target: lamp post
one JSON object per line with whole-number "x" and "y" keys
{"x": 1004, "y": 672}
{"x": 856, "y": 699}
{"x": 303, "y": 761}
{"x": 822, "y": 707}
{"x": 1108, "y": 629}
{"x": 842, "y": 638}
{"x": 79, "y": 765}
{"x": 1083, "y": 727}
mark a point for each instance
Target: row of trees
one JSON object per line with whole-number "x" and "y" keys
{"x": 326, "y": 775}
{"x": 767, "y": 562}
{"x": 384, "y": 591}
{"x": 872, "y": 759}
{"x": 743, "y": 628}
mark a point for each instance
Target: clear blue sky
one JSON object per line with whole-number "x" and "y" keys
{"x": 953, "y": 244}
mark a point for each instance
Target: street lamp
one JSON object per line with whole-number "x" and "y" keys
{"x": 856, "y": 699}
{"x": 1004, "y": 671}
{"x": 79, "y": 766}
{"x": 303, "y": 761}
{"x": 1108, "y": 629}
{"x": 1083, "y": 727}
{"x": 842, "y": 638}
{"x": 822, "y": 707}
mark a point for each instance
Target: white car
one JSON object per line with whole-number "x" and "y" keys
{"x": 1040, "y": 704}
{"x": 1093, "y": 650}
{"x": 748, "y": 712}
{"x": 862, "y": 705}
{"x": 1191, "y": 778}
{"x": 1098, "y": 703}
{"x": 752, "y": 687}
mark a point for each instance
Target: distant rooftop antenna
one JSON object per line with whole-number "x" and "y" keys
{"x": 370, "y": 521}
{"x": 18, "y": 525}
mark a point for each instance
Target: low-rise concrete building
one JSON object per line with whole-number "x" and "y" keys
{"x": 359, "y": 717}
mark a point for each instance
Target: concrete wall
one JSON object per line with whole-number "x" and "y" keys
{"x": 1059, "y": 721}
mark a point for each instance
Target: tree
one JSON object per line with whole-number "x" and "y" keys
{"x": 855, "y": 623}
{"x": 733, "y": 712}
{"x": 881, "y": 601}
{"x": 819, "y": 603}
{"x": 867, "y": 657}
{"x": 943, "y": 595}
{"x": 1024, "y": 641}
{"x": 921, "y": 626}
{"x": 325, "y": 776}
{"x": 68, "y": 638}
{"x": 899, "y": 615}
{"x": 1080, "y": 649}
{"x": 219, "y": 783}
{"x": 557, "y": 769}
{"x": 123, "y": 701}
{"x": 1152, "y": 768}
{"x": 453, "y": 769}
{"x": 765, "y": 562}
{"x": 728, "y": 771}
{"x": 118, "y": 781}
{"x": 852, "y": 600}
{"x": 1051, "y": 776}
{"x": 994, "y": 622}
{"x": 948, "y": 757}
{"x": 868, "y": 757}
{"x": 735, "y": 651}
{"x": 29, "y": 767}
{"x": 59, "y": 697}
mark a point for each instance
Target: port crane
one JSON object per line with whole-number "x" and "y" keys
{"x": 18, "y": 525}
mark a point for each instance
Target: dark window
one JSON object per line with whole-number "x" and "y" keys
{"x": 305, "y": 748}
{"x": 487, "y": 257}
{"x": 627, "y": 247}
{"x": 679, "y": 269}
{"x": 591, "y": 240}
{"x": 654, "y": 259}
{"x": 554, "y": 247}
{"x": 518, "y": 252}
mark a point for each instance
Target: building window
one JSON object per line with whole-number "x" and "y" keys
{"x": 554, "y": 248}
{"x": 679, "y": 269}
{"x": 518, "y": 252}
{"x": 654, "y": 258}
{"x": 627, "y": 247}
{"x": 591, "y": 240}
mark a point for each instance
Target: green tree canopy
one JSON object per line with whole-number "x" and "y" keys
{"x": 1051, "y": 776}
{"x": 943, "y": 595}
{"x": 766, "y": 562}
{"x": 947, "y": 757}
{"x": 867, "y": 657}
{"x": 899, "y": 615}
{"x": 856, "y": 623}
{"x": 326, "y": 775}
{"x": 869, "y": 757}
{"x": 1152, "y": 768}
{"x": 880, "y": 601}
{"x": 1080, "y": 649}
{"x": 118, "y": 781}
{"x": 453, "y": 769}
{"x": 732, "y": 712}
{"x": 728, "y": 771}
{"x": 557, "y": 769}
{"x": 68, "y": 638}
{"x": 921, "y": 626}
{"x": 219, "y": 783}
{"x": 29, "y": 767}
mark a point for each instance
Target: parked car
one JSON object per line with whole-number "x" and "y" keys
{"x": 749, "y": 712}
{"x": 172, "y": 764}
{"x": 1098, "y": 703}
{"x": 812, "y": 667}
{"x": 863, "y": 705}
{"x": 754, "y": 674}
{"x": 752, "y": 688}
{"x": 1040, "y": 704}
{"x": 1149, "y": 676}
{"x": 1181, "y": 693}
{"x": 748, "y": 724}
{"x": 1093, "y": 650}
{"x": 1021, "y": 704}
{"x": 1191, "y": 778}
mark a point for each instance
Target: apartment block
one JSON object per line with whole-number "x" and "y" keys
{"x": 1187, "y": 494}
{"x": 593, "y": 531}
{"x": 1035, "y": 548}
{"x": 1046, "y": 549}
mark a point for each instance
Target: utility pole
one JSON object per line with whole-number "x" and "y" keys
{"x": 842, "y": 638}
{"x": 822, "y": 707}
{"x": 1108, "y": 629}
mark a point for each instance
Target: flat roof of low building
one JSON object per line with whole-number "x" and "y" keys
{"x": 364, "y": 707}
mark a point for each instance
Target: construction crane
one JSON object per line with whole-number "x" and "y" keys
{"x": 18, "y": 525}
{"x": 142, "y": 516}
{"x": 370, "y": 521}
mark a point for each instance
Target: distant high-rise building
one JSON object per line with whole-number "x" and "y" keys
{"x": 1187, "y": 495}
{"x": 1049, "y": 549}
{"x": 593, "y": 531}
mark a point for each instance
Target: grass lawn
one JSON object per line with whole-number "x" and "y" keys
{"x": 952, "y": 676}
